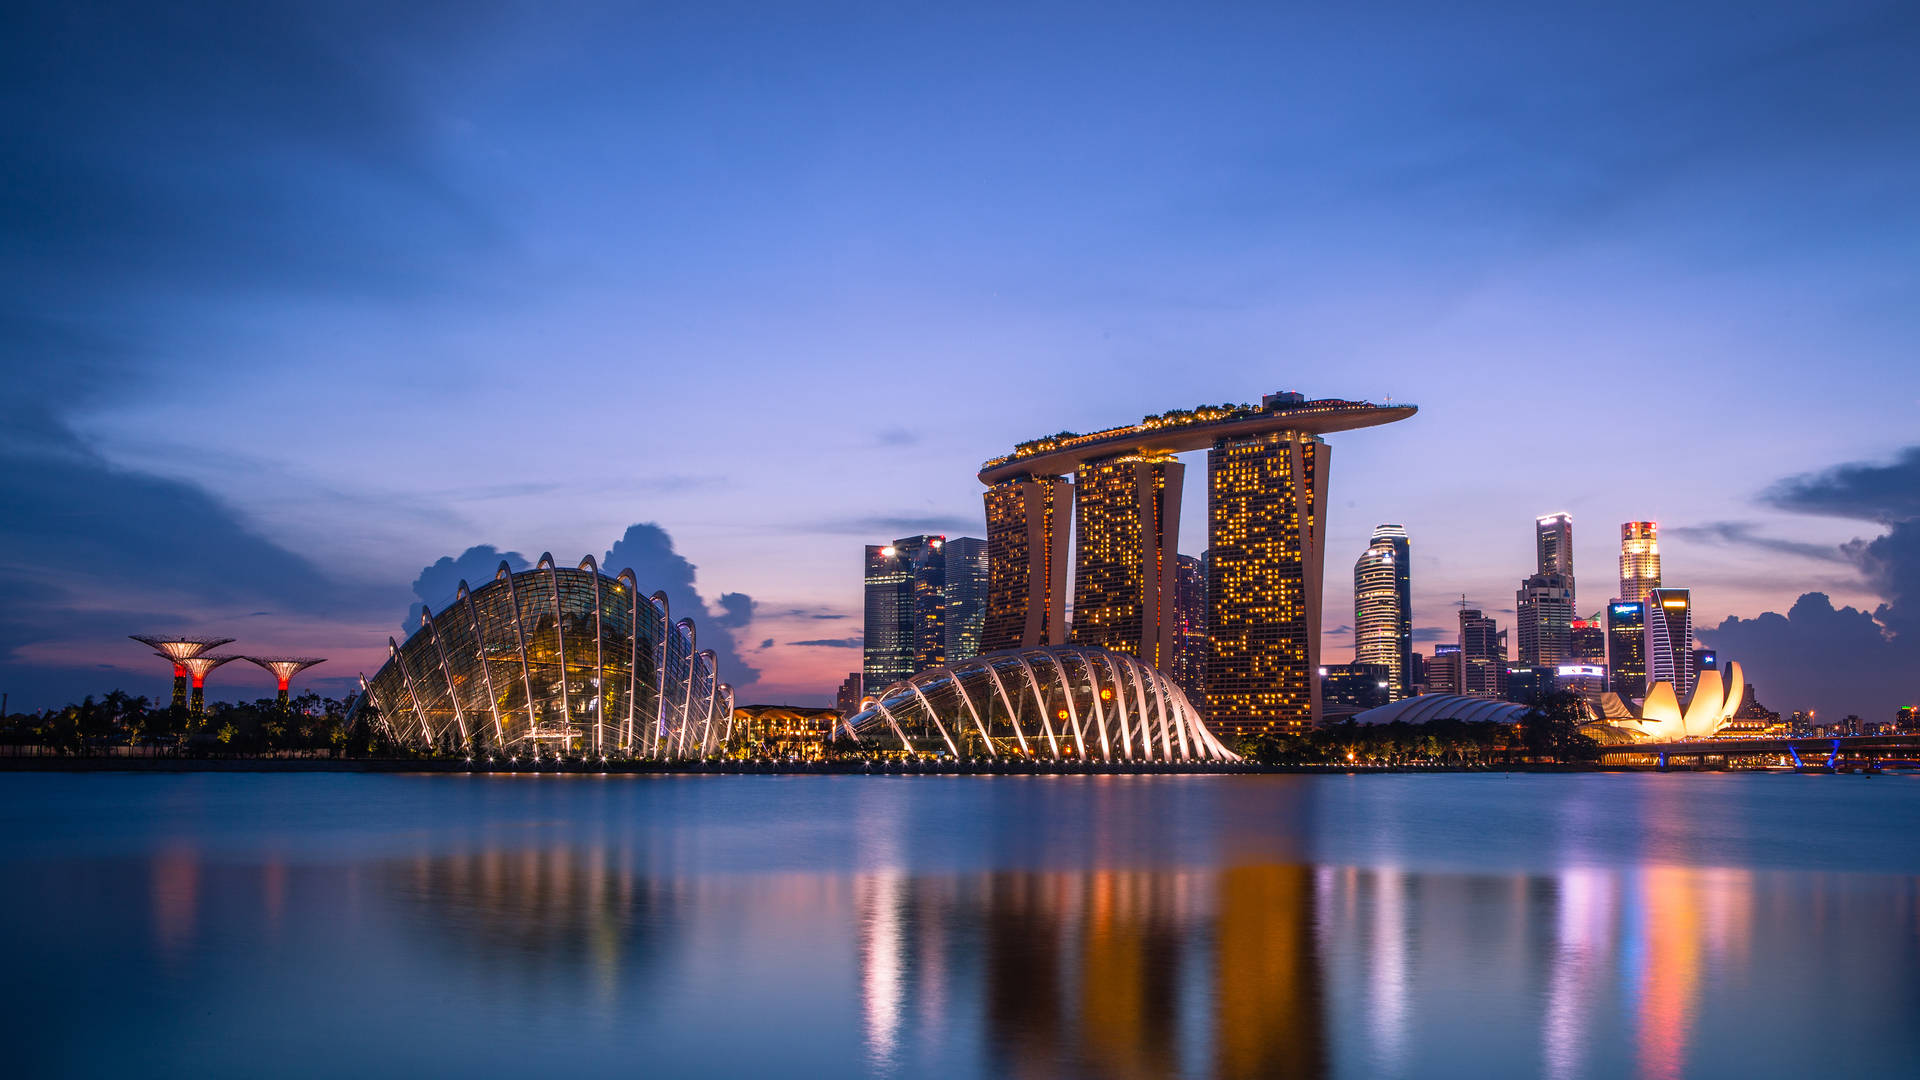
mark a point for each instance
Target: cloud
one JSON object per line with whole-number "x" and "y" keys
{"x": 1434, "y": 633}
{"x": 1860, "y": 491}
{"x": 766, "y": 643}
{"x": 736, "y": 609}
{"x": 853, "y": 642}
{"x": 1742, "y": 534}
{"x": 440, "y": 582}
{"x": 1338, "y": 631}
{"x": 648, "y": 551}
{"x": 896, "y": 436}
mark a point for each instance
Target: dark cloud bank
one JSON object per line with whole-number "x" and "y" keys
{"x": 1844, "y": 660}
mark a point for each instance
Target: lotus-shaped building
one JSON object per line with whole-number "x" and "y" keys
{"x": 1715, "y": 700}
{"x": 555, "y": 661}
{"x": 1054, "y": 703}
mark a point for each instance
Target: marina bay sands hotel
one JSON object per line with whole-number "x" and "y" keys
{"x": 1267, "y": 473}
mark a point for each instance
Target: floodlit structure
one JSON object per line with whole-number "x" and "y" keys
{"x": 284, "y": 668}
{"x": 198, "y": 667}
{"x": 1425, "y": 707}
{"x": 177, "y": 651}
{"x": 1715, "y": 700}
{"x": 1056, "y": 703}
{"x": 555, "y": 661}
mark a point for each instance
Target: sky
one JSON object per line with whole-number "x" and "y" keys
{"x": 310, "y": 310}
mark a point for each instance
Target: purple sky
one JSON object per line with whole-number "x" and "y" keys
{"x": 301, "y": 299}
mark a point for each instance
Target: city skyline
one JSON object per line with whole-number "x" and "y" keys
{"x": 229, "y": 418}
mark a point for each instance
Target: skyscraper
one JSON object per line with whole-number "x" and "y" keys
{"x": 1543, "y": 612}
{"x": 1483, "y": 657}
{"x": 905, "y": 586}
{"x": 1383, "y": 607}
{"x": 1587, "y": 641}
{"x": 1669, "y": 637}
{"x": 1443, "y": 671}
{"x": 1639, "y": 559}
{"x": 1029, "y": 521}
{"x": 1627, "y": 648}
{"x": 1127, "y": 511}
{"x": 965, "y": 615}
{"x": 1266, "y": 520}
{"x": 1190, "y": 628}
{"x": 1553, "y": 544}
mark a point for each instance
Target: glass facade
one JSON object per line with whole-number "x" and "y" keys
{"x": 1056, "y": 703}
{"x": 1028, "y": 523}
{"x": 1383, "y": 607}
{"x": 1627, "y": 648}
{"x": 1639, "y": 559}
{"x": 1127, "y": 511}
{"x": 554, "y": 661}
{"x": 966, "y": 596}
{"x": 1669, "y": 636}
{"x": 905, "y": 608}
{"x": 1190, "y": 627}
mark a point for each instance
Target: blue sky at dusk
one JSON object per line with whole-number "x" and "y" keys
{"x": 301, "y": 299}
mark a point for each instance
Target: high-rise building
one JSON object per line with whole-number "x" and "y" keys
{"x": 1553, "y": 544}
{"x": 905, "y": 586}
{"x": 1029, "y": 521}
{"x": 1627, "y": 648}
{"x": 1483, "y": 655}
{"x": 1190, "y": 628}
{"x": 1587, "y": 641}
{"x": 1352, "y": 688}
{"x": 1543, "y": 612}
{"x": 965, "y": 615}
{"x": 1443, "y": 670}
{"x": 1383, "y": 607}
{"x": 847, "y": 701}
{"x": 1529, "y": 684}
{"x": 1705, "y": 660}
{"x": 1266, "y": 520}
{"x": 1669, "y": 636}
{"x": 1127, "y": 511}
{"x": 1639, "y": 559}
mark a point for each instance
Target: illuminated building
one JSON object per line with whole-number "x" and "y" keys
{"x": 554, "y": 660}
{"x": 1587, "y": 641}
{"x": 1383, "y": 606}
{"x": 905, "y": 604}
{"x": 284, "y": 668}
{"x": 1266, "y": 523}
{"x": 1028, "y": 524}
{"x": 1627, "y": 647}
{"x": 1713, "y": 703}
{"x": 177, "y": 651}
{"x": 782, "y": 731}
{"x": 1483, "y": 656}
{"x": 1553, "y": 544}
{"x": 1907, "y": 718}
{"x": 1349, "y": 688}
{"x": 1127, "y": 513}
{"x": 965, "y": 601}
{"x": 1639, "y": 559}
{"x": 1443, "y": 671}
{"x": 1587, "y": 680}
{"x": 1189, "y": 668}
{"x": 1527, "y": 684}
{"x": 1669, "y": 639}
{"x": 1061, "y": 702}
{"x": 1543, "y": 613}
{"x": 1426, "y": 707}
{"x": 199, "y": 667}
{"x": 1705, "y": 660}
{"x": 847, "y": 700}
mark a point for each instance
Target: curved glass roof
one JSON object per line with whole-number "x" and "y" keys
{"x": 1417, "y": 710}
{"x": 1061, "y": 702}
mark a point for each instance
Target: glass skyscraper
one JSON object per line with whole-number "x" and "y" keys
{"x": 1383, "y": 607}
{"x": 1639, "y": 559}
{"x": 905, "y": 604}
{"x": 965, "y": 611}
{"x": 1627, "y": 648}
{"x": 1029, "y": 520}
{"x": 1669, "y": 636}
{"x": 1127, "y": 513}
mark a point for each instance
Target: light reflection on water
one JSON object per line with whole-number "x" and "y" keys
{"x": 1275, "y": 926}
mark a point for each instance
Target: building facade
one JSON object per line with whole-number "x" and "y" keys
{"x": 1587, "y": 641}
{"x": 1127, "y": 511}
{"x": 1483, "y": 655}
{"x": 1669, "y": 639}
{"x": 1627, "y": 648}
{"x": 1029, "y": 522}
{"x": 1443, "y": 670}
{"x": 1352, "y": 688}
{"x": 1190, "y": 627}
{"x": 1383, "y": 607}
{"x": 1639, "y": 559}
{"x": 964, "y": 617}
{"x": 905, "y": 607}
{"x": 1553, "y": 544}
{"x": 1543, "y": 616}
{"x": 847, "y": 699}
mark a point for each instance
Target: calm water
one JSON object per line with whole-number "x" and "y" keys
{"x": 1449, "y": 925}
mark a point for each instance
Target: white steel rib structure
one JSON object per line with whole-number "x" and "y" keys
{"x": 554, "y": 661}
{"x": 1060, "y": 702}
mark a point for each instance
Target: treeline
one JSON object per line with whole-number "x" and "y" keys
{"x": 308, "y": 723}
{"x": 1550, "y": 732}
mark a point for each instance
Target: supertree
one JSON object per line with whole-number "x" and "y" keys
{"x": 177, "y": 651}
{"x": 285, "y": 668}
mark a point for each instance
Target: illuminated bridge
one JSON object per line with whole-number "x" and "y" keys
{"x": 1808, "y": 751}
{"x": 1267, "y": 474}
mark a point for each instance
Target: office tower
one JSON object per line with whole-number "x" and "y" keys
{"x": 1383, "y": 607}
{"x": 1529, "y": 684}
{"x": 1553, "y": 544}
{"x": 1266, "y": 520}
{"x": 1352, "y": 688}
{"x": 847, "y": 701}
{"x": 1127, "y": 511}
{"x": 1705, "y": 660}
{"x": 905, "y": 585}
{"x": 1418, "y": 680}
{"x": 1669, "y": 636}
{"x": 1627, "y": 648}
{"x": 1586, "y": 680}
{"x": 1443, "y": 671}
{"x": 965, "y": 614}
{"x": 1543, "y": 612}
{"x": 1190, "y": 628}
{"x": 1587, "y": 641}
{"x": 1639, "y": 559}
{"x": 1029, "y": 520}
{"x": 1483, "y": 656}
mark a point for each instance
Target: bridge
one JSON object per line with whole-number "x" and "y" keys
{"x": 1805, "y": 752}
